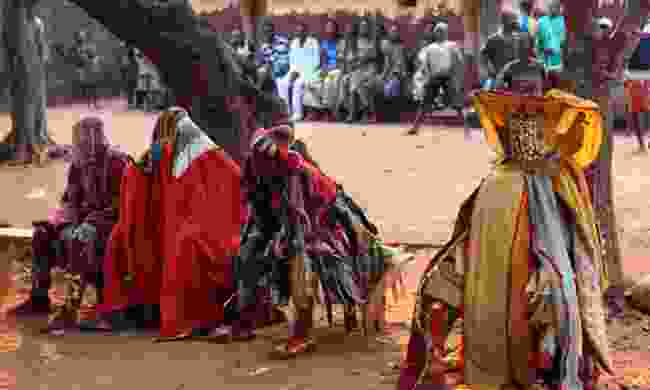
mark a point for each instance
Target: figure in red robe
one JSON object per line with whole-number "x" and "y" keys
{"x": 192, "y": 225}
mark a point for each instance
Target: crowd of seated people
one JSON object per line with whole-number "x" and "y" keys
{"x": 340, "y": 75}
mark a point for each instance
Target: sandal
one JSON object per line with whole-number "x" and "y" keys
{"x": 221, "y": 335}
{"x": 292, "y": 349}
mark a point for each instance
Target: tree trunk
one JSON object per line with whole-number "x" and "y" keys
{"x": 579, "y": 67}
{"x": 24, "y": 43}
{"x": 194, "y": 62}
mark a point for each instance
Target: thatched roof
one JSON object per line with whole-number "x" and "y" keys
{"x": 283, "y": 7}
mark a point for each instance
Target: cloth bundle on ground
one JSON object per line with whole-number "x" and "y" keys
{"x": 305, "y": 240}
{"x": 521, "y": 281}
{"x": 179, "y": 231}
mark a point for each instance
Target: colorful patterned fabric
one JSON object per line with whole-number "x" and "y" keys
{"x": 306, "y": 240}
{"x": 535, "y": 278}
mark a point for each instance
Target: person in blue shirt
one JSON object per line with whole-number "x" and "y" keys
{"x": 272, "y": 57}
{"x": 321, "y": 93}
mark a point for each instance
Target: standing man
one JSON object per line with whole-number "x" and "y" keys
{"x": 272, "y": 57}
{"x": 499, "y": 49}
{"x": 395, "y": 71}
{"x": 83, "y": 56}
{"x": 129, "y": 73}
{"x": 304, "y": 63}
{"x": 551, "y": 41}
{"x": 610, "y": 52}
{"x": 440, "y": 65}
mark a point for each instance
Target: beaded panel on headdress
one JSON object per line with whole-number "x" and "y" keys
{"x": 571, "y": 126}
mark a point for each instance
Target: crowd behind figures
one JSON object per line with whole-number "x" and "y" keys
{"x": 349, "y": 70}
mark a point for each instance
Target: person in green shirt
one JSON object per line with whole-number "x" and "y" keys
{"x": 550, "y": 41}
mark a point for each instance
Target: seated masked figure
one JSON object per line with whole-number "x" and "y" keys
{"x": 304, "y": 236}
{"x": 518, "y": 288}
{"x": 189, "y": 236}
{"x": 74, "y": 237}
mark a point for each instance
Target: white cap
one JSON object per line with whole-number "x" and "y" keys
{"x": 605, "y": 22}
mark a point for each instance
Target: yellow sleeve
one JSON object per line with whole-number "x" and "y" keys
{"x": 579, "y": 130}
{"x": 591, "y": 123}
{"x": 491, "y": 118}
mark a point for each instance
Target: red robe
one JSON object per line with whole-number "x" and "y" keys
{"x": 200, "y": 236}
{"x": 134, "y": 246}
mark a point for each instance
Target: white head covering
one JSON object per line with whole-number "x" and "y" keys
{"x": 605, "y": 22}
{"x": 191, "y": 143}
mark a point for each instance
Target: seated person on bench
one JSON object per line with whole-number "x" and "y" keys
{"x": 74, "y": 235}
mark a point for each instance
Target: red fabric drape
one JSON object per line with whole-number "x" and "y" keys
{"x": 134, "y": 246}
{"x": 200, "y": 234}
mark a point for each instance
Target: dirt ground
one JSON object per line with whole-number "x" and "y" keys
{"x": 412, "y": 187}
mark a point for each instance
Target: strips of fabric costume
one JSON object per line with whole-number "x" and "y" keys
{"x": 306, "y": 239}
{"x": 521, "y": 280}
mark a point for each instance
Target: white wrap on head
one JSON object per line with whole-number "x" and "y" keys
{"x": 191, "y": 143}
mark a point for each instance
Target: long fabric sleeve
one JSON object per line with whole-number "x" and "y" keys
{"x": 72, "y": 196}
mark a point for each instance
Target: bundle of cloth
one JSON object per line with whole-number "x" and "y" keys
{"x": 305, "y": 241}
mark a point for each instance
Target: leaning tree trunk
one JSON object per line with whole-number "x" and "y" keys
{"x": 23, "y": 41}
{"x": 194, "y": 62}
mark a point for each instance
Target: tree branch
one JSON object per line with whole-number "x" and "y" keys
{"x": 178, "y": 43}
